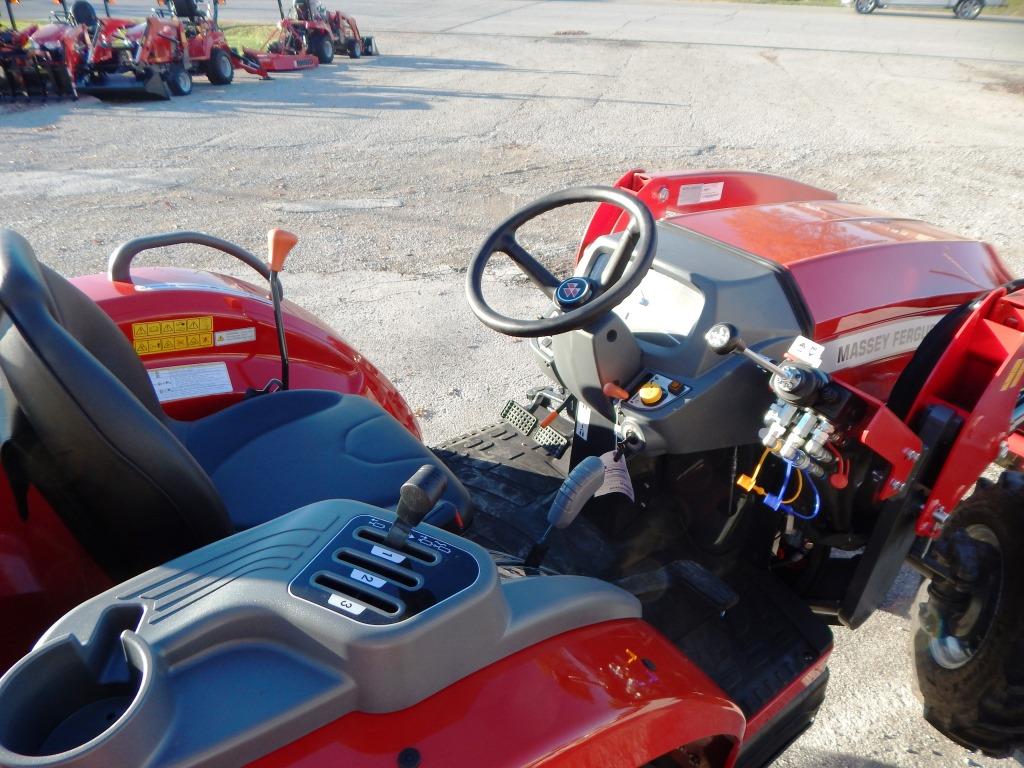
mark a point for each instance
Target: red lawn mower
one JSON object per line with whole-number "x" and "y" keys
{"x": 763, "y": 402}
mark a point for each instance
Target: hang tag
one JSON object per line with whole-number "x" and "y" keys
{"x": 616, "y": 477}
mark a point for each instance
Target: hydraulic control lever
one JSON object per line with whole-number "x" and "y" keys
{"x": 796, "y": 383}
{"x": 798, "y": 425}
{"x": 419, "y": 494}
{"x": 724, "y": 339}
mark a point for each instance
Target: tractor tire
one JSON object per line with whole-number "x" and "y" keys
{"x": 179, "y": 80}
{"x": 969, "y": 671}
{"x": 370, "y": 47}
{"x": 219, "y": 69}
{"x": 322, "y": 47}
{"x": 865, "y": 6}
{"x": 968, "y": 9}
{"x": 355, "y": 50}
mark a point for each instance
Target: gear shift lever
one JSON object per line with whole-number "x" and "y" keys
{"x": 418, "y": 496}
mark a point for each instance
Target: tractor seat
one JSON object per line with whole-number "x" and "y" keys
{"x": 83, "y": 13}
{"x": 138, "y": 488}
{"x": 186, "y": 9}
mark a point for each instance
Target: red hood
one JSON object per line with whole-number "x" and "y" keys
{"x": 854, "y": 265}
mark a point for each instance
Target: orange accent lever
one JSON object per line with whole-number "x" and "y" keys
{"x": 279, "y": 243}
{"x": 549, "y": 419}
{"x": 614, "y": 391}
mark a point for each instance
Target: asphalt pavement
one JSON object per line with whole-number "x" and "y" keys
{"x": 393, "y": 170}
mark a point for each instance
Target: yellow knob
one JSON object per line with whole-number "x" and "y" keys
{"x": 651, "y": 393}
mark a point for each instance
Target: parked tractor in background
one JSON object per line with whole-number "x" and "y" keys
{"x": 28, "y": 68}
{"x": 208, "y": 51}
{"x": 118, "y": 58}
{"x": 344, "y": 32}
{"x": 292, "y": 46}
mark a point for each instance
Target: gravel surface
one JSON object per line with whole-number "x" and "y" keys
{"x": 393, "y": 170}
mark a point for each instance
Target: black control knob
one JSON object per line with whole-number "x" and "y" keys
{"x": 417, "y": 497}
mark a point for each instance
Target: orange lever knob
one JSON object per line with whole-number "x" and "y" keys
{"x": 279, "y": 244}
{"x": 615, "y": 392}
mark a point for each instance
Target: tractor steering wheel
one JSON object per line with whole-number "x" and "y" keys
{"x": 581, "y": 300}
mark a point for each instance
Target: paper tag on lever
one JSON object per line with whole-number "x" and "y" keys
{"x": 616, "y": 477}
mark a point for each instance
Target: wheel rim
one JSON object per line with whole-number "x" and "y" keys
{"x": 184, "y": 81}
{"x": 225, "y": 67}
{"x": 955, "y": 646}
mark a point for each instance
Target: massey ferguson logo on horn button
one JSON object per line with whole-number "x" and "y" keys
{"x": 877, "y": 343}
{"x": 572, "y": 292}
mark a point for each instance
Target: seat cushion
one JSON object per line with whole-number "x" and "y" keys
{"x": 277, "y": 452}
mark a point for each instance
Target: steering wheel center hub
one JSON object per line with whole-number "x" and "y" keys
{"x": 572, "y": 292}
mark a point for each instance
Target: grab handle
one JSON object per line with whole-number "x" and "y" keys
{"x": 120, "y": 261}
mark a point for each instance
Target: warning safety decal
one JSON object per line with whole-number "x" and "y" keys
{"x": 182, "y": 382}
{"x": 174, "y": 335}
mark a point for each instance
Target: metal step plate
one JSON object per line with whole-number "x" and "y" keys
{"x": 519, "y": 417}
{"x": 554, "y": 442}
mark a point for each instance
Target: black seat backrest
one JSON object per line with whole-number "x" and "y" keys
{"x": 186, "y": 9}
{"x": 85, "y": 394}
{"x": 83, "y": 13}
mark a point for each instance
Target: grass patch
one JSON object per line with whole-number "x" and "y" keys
{"x": 247, "y": 35}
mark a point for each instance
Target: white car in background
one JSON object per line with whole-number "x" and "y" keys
{"x": 962, "y": 9}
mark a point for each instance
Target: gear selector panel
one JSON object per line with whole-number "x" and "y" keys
{"x": 358, "y": 576}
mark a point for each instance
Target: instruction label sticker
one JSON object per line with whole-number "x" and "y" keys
{"x": 349, "y": 606}
{"x": 387, "y": 554}
{"x": 582, "y": 420}
{"x": 695, "y": 194}
{"x": 804, "y": 350}
{"x": 236, "y": 336}
{"x": 175, "y": 335}
{"x": 616, "y": 477}
{"x": 367, "y": 578}
{"x": 181, "y": 382}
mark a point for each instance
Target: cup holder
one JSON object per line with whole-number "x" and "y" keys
{"x": 65, "y": 694}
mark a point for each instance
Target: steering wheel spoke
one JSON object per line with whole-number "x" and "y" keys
{"x": 532, "y": 268}
{"x": 619, "y": 258}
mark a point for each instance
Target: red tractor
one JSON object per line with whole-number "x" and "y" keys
{"x": 763, "y": 402}
{"x": 119, "y": 58}
{"x": 28, "y": 68}
{"x": 340, "y": 27}
{"x": 294, "y": 45}
{"x": 208, "y": 51}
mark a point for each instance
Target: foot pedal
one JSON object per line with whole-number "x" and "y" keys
{"x": 555, "y": 443}
{"x": 694, "y": 575}
{"x": 519, "y": 417}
